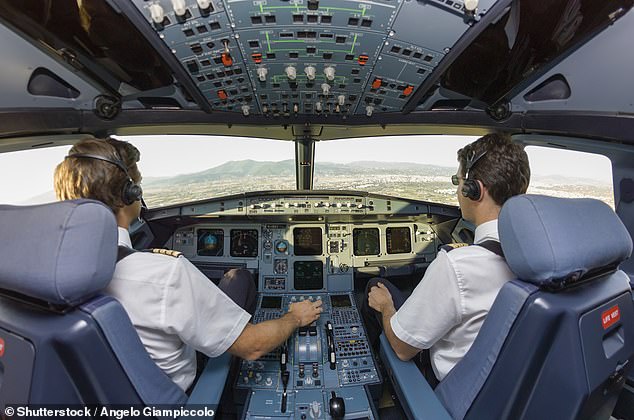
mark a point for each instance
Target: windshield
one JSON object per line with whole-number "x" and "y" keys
{"x": 178, "y": 169}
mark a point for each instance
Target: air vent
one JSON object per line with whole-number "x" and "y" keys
{"x": 554, "y": 88}
{"x": 43, "y": 82}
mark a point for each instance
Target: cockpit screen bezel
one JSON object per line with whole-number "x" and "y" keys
{"x": 249, "y": 250}
{"x": 308, "y": 275}
{"x": 371, "y": 244}
{"x": 308, "y": 241}
{"x": 219, "y": 234}
{"x": 403, "y": 247}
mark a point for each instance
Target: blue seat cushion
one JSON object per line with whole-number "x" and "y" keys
{"x": 62, "y": 253}
{"x": 547, "y": 240}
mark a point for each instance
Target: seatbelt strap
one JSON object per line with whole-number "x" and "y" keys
{"x": 493, "y": 246}
{"x": 124, "y": 251}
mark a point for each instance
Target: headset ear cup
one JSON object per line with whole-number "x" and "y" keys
{"x": 131, "y": 192}
{"x": 471, "y": 189}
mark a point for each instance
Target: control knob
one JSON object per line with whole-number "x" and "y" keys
{"x": 325, "y": 89}
{"x": 330, "y": 73}
{"x": 291, "y": 72}
{"x": 179, "y": 7}
{"x": 157, "y": 13}
{"x": 204, "y": 4}
{"x": 262, "y": 72}
{"x": 315, "y": 410}
{"x": 310, "y": 72}
{"x": 341, "y": 100}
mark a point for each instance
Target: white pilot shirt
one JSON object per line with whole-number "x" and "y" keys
{"x": 175, "y": 310}
{"x": 448, "y": 306}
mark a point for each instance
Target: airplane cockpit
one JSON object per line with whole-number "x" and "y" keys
{"x": 313, "y": 143}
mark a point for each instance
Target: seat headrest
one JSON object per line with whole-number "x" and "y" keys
{"x": 62, "y": 253}
{"x": 547, "y": 240}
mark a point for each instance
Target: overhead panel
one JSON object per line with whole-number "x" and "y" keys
{"x": 307, "y": 57}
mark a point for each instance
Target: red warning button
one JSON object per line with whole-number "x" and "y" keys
{"x": 610, "y": 317}
{"x": 1, "y": 347}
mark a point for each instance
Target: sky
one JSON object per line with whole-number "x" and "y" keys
{"x": 29, "y": 173}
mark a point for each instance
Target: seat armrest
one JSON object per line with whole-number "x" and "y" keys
{"x": 415, "y": 395}
{"x": 211, "y": 383}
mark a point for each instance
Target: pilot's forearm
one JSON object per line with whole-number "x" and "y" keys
{"x": 259, "y": 339}
{"x": 403, "y": 350}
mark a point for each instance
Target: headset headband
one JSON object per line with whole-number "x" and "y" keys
{"x": 118, "y": 163}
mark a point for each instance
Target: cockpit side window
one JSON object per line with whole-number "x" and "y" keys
{"x": 569, "y": 173}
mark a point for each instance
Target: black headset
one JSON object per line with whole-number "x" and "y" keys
{"x": 470, "y": 187}
{"x": 131, "y": 191}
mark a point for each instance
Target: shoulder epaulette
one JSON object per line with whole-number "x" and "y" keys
{"x": 451, "y": 247}
{"x": 162, "y": 251}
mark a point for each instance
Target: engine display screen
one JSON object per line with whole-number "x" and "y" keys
{"x": 399, "y": 240}
{"x": 244, "y": 243}
{"x": 307, "y": 241}
{"x": 210, "y": 242}
{"x": 271, "y": 302}
{"x": 309, "y": 275}
{"x": 340, "y": 301}
{"x": 366, "y": 241}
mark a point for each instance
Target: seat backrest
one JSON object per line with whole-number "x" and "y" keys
{"x": 61, "y": 342}
{"x": 557, "y": 340}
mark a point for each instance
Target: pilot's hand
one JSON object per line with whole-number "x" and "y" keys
{"x": 379, "y": 298}
{"x": 306, "y": 311}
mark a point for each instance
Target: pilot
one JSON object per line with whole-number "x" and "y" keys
{"x": 175, "y": 309}
{"x": 447, "y": 308}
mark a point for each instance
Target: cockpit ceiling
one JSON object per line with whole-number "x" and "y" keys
{"x": 310, "y": 58}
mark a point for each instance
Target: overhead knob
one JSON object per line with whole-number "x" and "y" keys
{"x": 204, "y": 4}
{"x": 245, "y": 110}
{"x": 325, "y": 89}
{"x": 330, "y": 73}
{"x": 341, "y": 100}
{"x": 369, "y": 110}
{"x": 262, "y": 72}
{"x": 157, "y": 13}
{"x": 291, "y": 72}
{"x": 318, "y": 106}
{"x": 310, "y": 72}
{"x": 179, "y": 7}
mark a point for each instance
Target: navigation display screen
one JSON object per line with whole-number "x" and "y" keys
{"x": 307, "y": 241}
{"x": 211, "y": 242}
{"x": 399, "y": 240}
{"x": 340, "y": 301}
{"x": 366, "y": 241}
{"x": 244, "y": 243}
{"x": 271, "y": 302}
{"x": 309, "y": 275}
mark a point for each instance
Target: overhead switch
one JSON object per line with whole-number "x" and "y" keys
{"x": 408, "y": 90}
{"x": 157, "y": 13}
{"x": 227, "y": 60}
{"x": 245, "y": 110}
{"x": 330, "y": 73}
{"x": 291, "y": 73}
{"x": 369, "y": 110}
{"x": 310, "y": 72}
{"x": 179, "y": 7}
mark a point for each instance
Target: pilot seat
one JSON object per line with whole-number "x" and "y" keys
{"x": 61, "y": 341}
{"x": 559, "y": 340}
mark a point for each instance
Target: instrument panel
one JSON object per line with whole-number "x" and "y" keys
{"x": 327, "y": 363}
{"x": 306, "y": 256}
